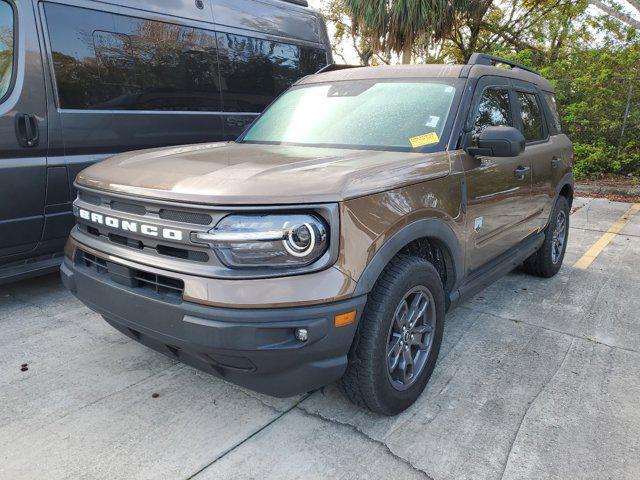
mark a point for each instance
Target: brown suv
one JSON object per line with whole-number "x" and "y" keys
{"x": 330, "y": 239}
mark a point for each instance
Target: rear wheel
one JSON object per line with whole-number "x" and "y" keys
{"x": 398, "y": 339}
{"x": 546, "y": 262}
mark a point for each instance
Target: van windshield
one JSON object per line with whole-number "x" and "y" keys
{"x": 402, "y": 115}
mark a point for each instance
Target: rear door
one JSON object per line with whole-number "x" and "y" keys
{"x": 23, "y": 131}
{"x": 542, "y": 150}
{"x": 499, "y": 208}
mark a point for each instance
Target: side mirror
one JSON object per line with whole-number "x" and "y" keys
{"x": 499, "y": 142}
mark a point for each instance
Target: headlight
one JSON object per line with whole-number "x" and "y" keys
{"x": 294, "y": 240}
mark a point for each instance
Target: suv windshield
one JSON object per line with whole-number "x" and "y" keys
{"x": 370, "y": 114}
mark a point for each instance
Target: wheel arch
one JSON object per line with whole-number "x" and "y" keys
{"x": 432, "y": 230}
{"x": 565, "y": 188}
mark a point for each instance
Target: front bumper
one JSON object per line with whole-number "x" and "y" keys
{"x": 254, "y": 348}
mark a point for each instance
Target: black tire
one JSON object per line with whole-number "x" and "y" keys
{"x": 367, "y": 382}
{"x": 545, "y": 263}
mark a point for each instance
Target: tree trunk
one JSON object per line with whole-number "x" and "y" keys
{"x": 407, "y": 51}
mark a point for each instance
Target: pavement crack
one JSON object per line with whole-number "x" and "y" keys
{"x": 362, "y": 434}
{"x": 260, "y": 400}
{"x": 248, "y": 437}
{"x": 530, "y": 405}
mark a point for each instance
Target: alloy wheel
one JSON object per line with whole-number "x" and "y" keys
{"x": 559, "y": 237}
{"x": 410, "y": 337}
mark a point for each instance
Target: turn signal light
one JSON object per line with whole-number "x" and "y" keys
{"x": 345, "y": 319}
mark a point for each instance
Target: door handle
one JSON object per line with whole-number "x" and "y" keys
{"x": 555, "y": 161}
{"x": 520, "y": 172}
{"x": 27, "y": 130}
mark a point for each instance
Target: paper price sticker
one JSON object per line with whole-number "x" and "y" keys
{"x": 426, "y": 139}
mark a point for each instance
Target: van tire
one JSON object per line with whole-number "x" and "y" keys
{"x": 545, "y": 263}
{"x": 367, "y": 381}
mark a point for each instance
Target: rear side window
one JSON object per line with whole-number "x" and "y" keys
{"x": 494, "y": 111}
{"x": 6, "y": 47}
{"x": 254, "y": 71}
{"x": 555, "y": 115}
{"x": 105, "y": 61}
{"x": 532, "y": 127}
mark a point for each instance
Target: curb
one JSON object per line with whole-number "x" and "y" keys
{"x": 604, "y": 190}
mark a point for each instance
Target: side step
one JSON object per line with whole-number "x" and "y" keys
{"x": 496, "y": 269}
{"x": 34, "y": 267}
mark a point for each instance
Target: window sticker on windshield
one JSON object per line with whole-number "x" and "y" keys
{"x": 432, "y": 121}
{"x": 426, "y": 139}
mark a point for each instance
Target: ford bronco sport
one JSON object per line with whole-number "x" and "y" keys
{"x": 330, "y": 239}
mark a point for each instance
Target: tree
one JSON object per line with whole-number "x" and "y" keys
{"x": 345, "y": 34}
{"x": 396, "y": 25}
{"x": 542, "y": 27}
{"x": 616, "y": 10}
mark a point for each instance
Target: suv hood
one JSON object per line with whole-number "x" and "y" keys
{"x": 234, "y": 174}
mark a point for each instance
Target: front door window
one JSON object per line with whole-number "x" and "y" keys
{"x": 494, "y": 111}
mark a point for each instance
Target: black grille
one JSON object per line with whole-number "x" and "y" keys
{"x": 194, "y": 255}
{"x": 166, "y": 250}
{"x": 128, "y": 208}
{"x": 98, "y": 264}
{"x": 168, "y": 288}
{"x": 87, "y": 197}
{"x": 127, "y": 242}
{"x": 185, "y": 217}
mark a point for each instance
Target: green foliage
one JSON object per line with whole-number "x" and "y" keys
{"x": 396, "y": 25}
{"x": 594, "y": 158}
{"x": 599, "y": 90}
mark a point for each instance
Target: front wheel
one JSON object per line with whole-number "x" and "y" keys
{"x": 546, "y": 262}
{"x": 398, "y": 339}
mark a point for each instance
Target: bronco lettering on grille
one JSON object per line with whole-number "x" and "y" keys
{"x": 131, "y": 226}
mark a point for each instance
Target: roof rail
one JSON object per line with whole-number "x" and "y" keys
{"x": 486, "y": 59}
{"x": 334, "y": 66}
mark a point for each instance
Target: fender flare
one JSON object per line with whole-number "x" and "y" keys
{"x": 567, "y": 179}
{"x": 428, "y": 227}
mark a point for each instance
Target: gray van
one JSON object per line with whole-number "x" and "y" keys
{"x": 81, "y": 80}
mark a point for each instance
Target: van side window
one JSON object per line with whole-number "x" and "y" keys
{"x": 494, "y": 111}
{"x": 104, "y": 61}
{"x": 255, "y": 71}
{"x": 553, "y": 106}
{"x": 531, "y": 115}
{"x": 6, "y": 47}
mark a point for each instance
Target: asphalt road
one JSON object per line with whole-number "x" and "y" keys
{"x": 536, "y": 379}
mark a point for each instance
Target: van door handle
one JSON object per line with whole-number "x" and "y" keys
{"x": 555, "y": 161}
{"x": 27, "y": 130}
{"x": 521, "y": 171}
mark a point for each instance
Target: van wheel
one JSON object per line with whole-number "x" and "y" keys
{"x": 398, "y": 338}
{"x": 546, "y": 262}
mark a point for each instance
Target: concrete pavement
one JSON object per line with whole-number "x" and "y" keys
{"x": 536, "y": 379}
